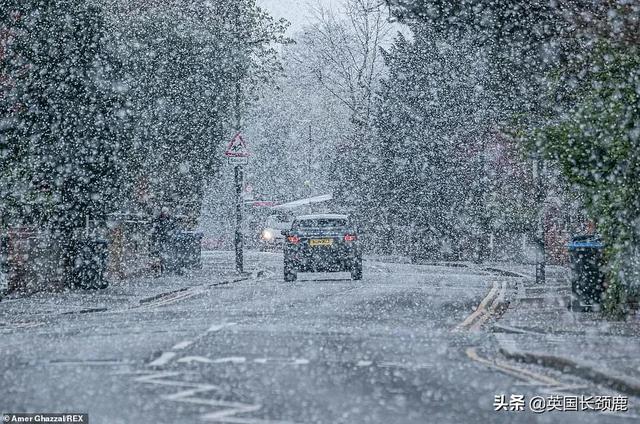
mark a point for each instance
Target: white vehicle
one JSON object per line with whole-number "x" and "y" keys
{"x": 270, "y": 232}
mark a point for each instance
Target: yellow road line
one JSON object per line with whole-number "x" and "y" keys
{"x": 494, "y": 305}
{"x": 481, "y": 309}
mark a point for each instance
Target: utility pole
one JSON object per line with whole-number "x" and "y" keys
{"x": 538, "y": 178}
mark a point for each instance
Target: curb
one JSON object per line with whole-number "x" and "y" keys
{"x": 501, "y": 328}
{"x": 505, "y": 273}
{"x": 582, "y": 370}
{"x": 493, "y": 305}
{"x": 161, "y": 295}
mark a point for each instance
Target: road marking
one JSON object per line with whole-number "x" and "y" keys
{"x": 190, "y": 359}
{"x": 402, "y": 365}
{"x": 207, "y": 394}
{"x": 499, "y": 300}
{"x": 203, "y": 360}
{"x": 277, "y": 361}
{"x": 481, "y": 309}
{"x": 231, "y": 359}
{"x": 520, "y": 373}
{"x": 163, "y": 359}
{"x": 160, "y": 379}
{"x": 182, "y": 345}
{"x": 91, "y": 362}
{"x": 549, "y": 385}
{"x": 218, "y": 327}
{"x": 167, "y": 357}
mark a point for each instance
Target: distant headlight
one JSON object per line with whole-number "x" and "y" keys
{"x": 267, "y": 235}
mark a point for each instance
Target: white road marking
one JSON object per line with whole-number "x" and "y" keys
{"x": 205, "y": 394}
{"x": 182, "y": 345}
{"x": 297, "y": 361}
{"x": 163, "y": 359}
{"x": 160, "y": 379}
{"x": 203, "y": 360}
{"x": 395, "y": 365}
{"x": 218, "y": 327}
{"x": 231, "y": 359}
{"x": 190, "y": 359}
{"x": 89, "y": 362}
{"x": 167, "y": 357}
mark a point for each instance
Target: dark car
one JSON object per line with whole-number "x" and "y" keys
{"x": 322, "y": 243}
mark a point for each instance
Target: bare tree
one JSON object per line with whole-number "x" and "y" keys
{"x": 344, "y": 56}
{"x": 344, "y": 53}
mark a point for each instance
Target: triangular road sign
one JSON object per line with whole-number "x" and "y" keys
{"x": 237, "y": 148}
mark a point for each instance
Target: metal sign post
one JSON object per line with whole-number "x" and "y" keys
{"x": 239, "y": 176}
{"x": 237, "y": 155}
{"x": 538, "y": 176}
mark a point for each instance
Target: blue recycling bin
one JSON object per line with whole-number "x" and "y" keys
{"x": 588, "y": 277}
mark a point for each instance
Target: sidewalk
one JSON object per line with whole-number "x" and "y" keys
{"x": 538, "y": 328}
{"x": 125, "y": 294}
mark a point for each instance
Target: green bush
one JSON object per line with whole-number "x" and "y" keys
{"x": 596, "y": 142}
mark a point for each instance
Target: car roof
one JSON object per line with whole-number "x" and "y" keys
{"x": 321, "y": 216}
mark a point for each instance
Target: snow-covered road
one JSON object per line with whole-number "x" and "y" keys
{"x": 399, "y": 346}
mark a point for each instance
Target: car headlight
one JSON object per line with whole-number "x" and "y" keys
{"x": 267, "y": 235}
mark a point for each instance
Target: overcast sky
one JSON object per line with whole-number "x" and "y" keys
{"x": 298, "y": 12}
{"x": 295, "y": 11}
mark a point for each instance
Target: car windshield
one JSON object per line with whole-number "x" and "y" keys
{"x": 320, "y": 223}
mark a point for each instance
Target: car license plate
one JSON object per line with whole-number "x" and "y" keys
{"x": 320, "y": 242}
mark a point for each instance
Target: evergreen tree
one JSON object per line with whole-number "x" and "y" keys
{"x": 431, "y": 124}
{"x": 192, "y": 69}
{"x": 65, "y": 117}
{"x": 592, "y": 132}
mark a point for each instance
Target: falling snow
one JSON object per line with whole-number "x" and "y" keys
{"x": 468, "y": 171}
